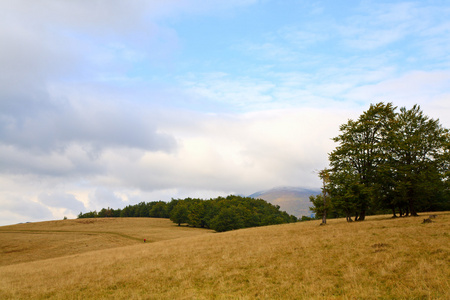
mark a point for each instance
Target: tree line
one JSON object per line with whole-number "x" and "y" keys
{"x": 219, "y": 214}
{"x": 387, "y": 160}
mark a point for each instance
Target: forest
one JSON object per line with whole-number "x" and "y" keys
{"x": 219, "y": 214}
{"x": 386, "y": 161}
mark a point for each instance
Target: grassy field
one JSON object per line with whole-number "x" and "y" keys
{"x": 35, "y": 241}
{"x": 381, "y": 258}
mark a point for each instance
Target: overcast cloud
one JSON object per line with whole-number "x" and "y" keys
{"x": 110, "y": 103}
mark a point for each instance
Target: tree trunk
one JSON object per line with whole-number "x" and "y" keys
{"x": 324, "y": 217}
{"x": 348, "y": 217}
{"x": 362, "y": 215}
{"x": 324, "y": 176}
{"x": 412, "y": 210}
{"x": 411, "y": 207}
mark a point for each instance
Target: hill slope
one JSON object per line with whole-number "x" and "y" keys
{"x": 43, "y": 240}
{"x": 293, "y": 200}
{"x": 381, "y": 258}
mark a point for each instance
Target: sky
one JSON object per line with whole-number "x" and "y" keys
{"x": 108, "y": 103}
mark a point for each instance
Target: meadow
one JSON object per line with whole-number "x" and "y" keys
{"x": 380, "y": 258}
{"x": 35, "y": 241}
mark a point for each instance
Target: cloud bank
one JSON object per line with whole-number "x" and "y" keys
{"x": 112, "y": 103}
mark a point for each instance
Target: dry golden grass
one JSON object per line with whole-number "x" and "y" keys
{"x": 43, "y": 240}
{"x": 380, "y": 258}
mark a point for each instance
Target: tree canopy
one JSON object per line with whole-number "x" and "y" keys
{"x": 219, "y": 214}
{"x": 388, "y": 160}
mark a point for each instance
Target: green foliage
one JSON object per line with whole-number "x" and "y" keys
{"x": 179, "y": 213}
{"x": 91, "y": 214}
{"x": 359, "y": 155}
{"x": 388, "y": 160}
{"x": 158, "y": 210}
{"x": 417, "y": 148}
{"x": 229, "y": 218}
{"x": 305, "y": 218}
{"x": 197, "y": 213}
{"x": 220, "y": 214}
{"x": 318, "y": 207}
{"x": 233, "y": 212}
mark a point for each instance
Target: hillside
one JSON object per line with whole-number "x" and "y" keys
{"x": 293, "y": 200}
{"x": 380, "y": 258}
{"x": 43, "y": 240}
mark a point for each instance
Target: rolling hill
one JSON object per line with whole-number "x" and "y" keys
{"x": 380, "y": 258}
{"x": 293, "y": 200}
{"x": 44, "y": 240}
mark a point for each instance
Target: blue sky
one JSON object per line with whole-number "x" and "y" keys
{"x": 110, "y": 103}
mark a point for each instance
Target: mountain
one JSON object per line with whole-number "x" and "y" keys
{"x": 293, "y": 200}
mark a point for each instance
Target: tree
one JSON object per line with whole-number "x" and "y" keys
{"x": 227, "y": 219}
{"x": 197, "y": 213}
{"x": 417, "y": 146}
{"x": 179, "y": 214}
{"x": 105, "y": 213}
{"x": 318, "y": 207}
{"x": 344, "y": 190}
{"x": 388, "y": 160}
{"x": 228, "y": 213}
{"x": 325, "y": 176}
{"x": 142, "y": 210}
{"x": 158, "y": 210}
{"x": 360, "y": 152}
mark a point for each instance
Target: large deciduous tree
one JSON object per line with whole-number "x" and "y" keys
{"x": 418, "y": 144}
{"x": 179, "y": 213}
{"x": 389, "y": 160}
{"x": 359, "y": 154}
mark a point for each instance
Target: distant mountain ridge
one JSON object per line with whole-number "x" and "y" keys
{"x": 293, "y": 200}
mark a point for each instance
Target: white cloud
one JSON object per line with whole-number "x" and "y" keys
{"x": 20, "y": 209}
{"x": 98, "y": 108}
{"x": 217, "y": 155}
{"x": 67, "y": 201}
{"x": 103, "y": 197}
{"x": 428, "y": 89}
{"x": 233, "y": 153}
